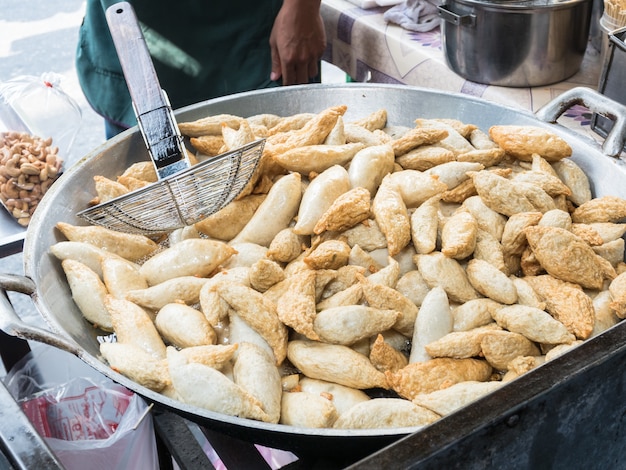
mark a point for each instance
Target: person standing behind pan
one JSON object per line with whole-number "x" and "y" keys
{"x": 201, "y": 50}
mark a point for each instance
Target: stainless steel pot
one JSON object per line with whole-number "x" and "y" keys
{"x": 66, "y": 328}
{"x": 517, "y": 43}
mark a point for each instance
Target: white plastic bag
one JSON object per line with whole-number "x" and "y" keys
{"x": 88, "y": 422}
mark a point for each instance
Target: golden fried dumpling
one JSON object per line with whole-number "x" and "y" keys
{"x": 392, "y": 216}
{"x": 88, "y": 292}
{"x": 454, "y": 141}
{"x": 600, "y": 209}
{"x": 513, "y": 235}
{"x": 436, "y": 374}
{"x": 226, "y": 223}
{"x": 205, "y": 387}
{"x": 575, "y": 179}
{"x": 264, "y": 274}
{"x": 330, "y": 254}
{"x": 342, "y": 397}
{"x": 605, "y": 316}
{"x": 296, "y": 306}
{"x": 138, "y": 365}
{"x": 566, "y": 302}
{"x": 490, "y": 250}
{"x": 537, "y": 325}
{"x": 133, "y": 325}
{"x": 381, "y": 413}
{"x": 500, "y": 347}
{"x": 458, "y": 235}
{"x": 107, "y": 189}
{"x": 487, "y": 219}
{"x": 522, "y": 142}
{"x": 255, "y": 371}
{"x": 259, "y": 313}
{"x": 192, "y": 257}
{"x": 346, "y": 211}
{"x": 286, "y": 246}
{"x": 566, "y": 257}
{"x": 335, "y": 363}
{"x": 617, "y": 288}
{"x": 127, "y": 245}
{"x": 212, "y": 355}
{"x": 209, "y": 125}
{"x": 460, "y": 344}
{"x": 486, "y": 157}
{"x": 473, "y": 314}
{"x": 385, "y": 357}
{"x": 317, "y": 158}
{"x": 183, "y": 326}
{"x": 447, "y": 401}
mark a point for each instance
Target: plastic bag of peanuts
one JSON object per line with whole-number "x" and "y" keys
{"x": 38, "y": 124}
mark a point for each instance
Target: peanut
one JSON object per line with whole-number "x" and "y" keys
{"x": 28, "y": 166}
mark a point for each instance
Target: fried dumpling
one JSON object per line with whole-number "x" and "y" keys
{"x": 381, "y": 413}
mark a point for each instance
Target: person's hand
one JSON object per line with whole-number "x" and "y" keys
{"x": 297, "y": 41}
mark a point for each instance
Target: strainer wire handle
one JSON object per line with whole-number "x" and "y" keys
{"x": 152, "y": 108}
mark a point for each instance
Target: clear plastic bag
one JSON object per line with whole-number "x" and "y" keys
{"x": 89, "y": 421}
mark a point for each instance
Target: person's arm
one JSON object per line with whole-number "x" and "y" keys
{"x": 298, "y": 41}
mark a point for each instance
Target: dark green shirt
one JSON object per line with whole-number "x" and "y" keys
{"x": 200, "y": 49}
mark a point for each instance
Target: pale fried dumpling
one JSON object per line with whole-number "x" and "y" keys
{"x": 193, "y": 257}
{"x": 537, "y": 325}
{"x": 337, "y": 135}
{"x": 245, "y": 255}
{"x": 549, "y": 183}
{"x": 453, "y": 173}
{"x": 208, "y": 388}
{"x": 520, "y": 365}
{"x": 605, "y": 316}
{"x": 425, "y": 157}
{"x": 575, "y": 179}
{"x": 107, "y": 189}
{"x": 369, "y": 166}
{"x": 259, "y": 313}
{"x": 121, "y": 276}
{"x": 486, "y": 157}
{"x": 600, "y": 209}
{"x": 133, "y": 325}
{"x": 413, "y": 286}
{"x": 384, "y": 297}
{"x": 556, "y": 218}
{"x": 184, "y": 326}
{"x": 490, "y": 250}
{"x": 416, "y": 137}
{"x": 392, "y": 216}
{"x": 208, "y": 125}
{"x": 513, "y": 235}
{"x": 286, "y": 246}
{"x": 88, "y": 292}
{"x": 433, "y": 321}
{"x": 561, "y": 349}
{"x": 319, "y": 196}
{"x": 335, "y": 363}
{"x": 526, "y": 295}
{"x": 522, "y": 142}
{"x": 415, "y": 187}
{"x": 255, "y": 371}
{"x": 374, "y": 120}
{"x": 209, "y": 145}
{"x": 612, "y": 251}
{"x": 447, "y": 401}
{"x": 424, "y": 225}
{"x": 127, "y": 245}
{"x": 307, "y": 410}
{"x": 367, "y": 235}
{"x": 185, "y": 289}
{"x": 342, "y": 397}
{"x": 425, "y": 377}
{"x": 226, "y": 223}
{"x": 240, "y": 332}
{"x": 296, "y": 307}
{"x": 264, "y": 274}
{"x": 566, "y": 257}
{"x": 454, "y": 141}
{"x": 387, "y": 275}
{"x": 473, "y": 314}
{"x": 136, "y": 364}
{"x": 346, "y": 211}
{"x": 385, "y": 357}
{"x": 359, "y": 134}
{"x": 317, "y": 158}
{"x": 86, "y": 253}
{"x": 275, "y": 212}
{"x": 491, "y": 282}
{"x": 500, "y": 347}
{"x": 349, "y": 324}
{"x": 237, "y": 138}
{"x": 486, "y": 218}
{"x": 381, "y": 413}
{"x": 144, "y": 171}
{"x": 439, "y": 270}
{"x": 566, "y": 302}
{"x": 458, "y": 235}
{"x": 460, "y": 344}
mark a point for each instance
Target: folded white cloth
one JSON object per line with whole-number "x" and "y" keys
{"x": 414, "y": 15}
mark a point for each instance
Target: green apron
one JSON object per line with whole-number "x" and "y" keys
{"x": 200, "y": 50}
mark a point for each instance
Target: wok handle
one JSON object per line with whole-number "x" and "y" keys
{"x": 11, "y": 323}
{"x": 597, "y": 103}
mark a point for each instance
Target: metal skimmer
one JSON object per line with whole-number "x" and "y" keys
{"x": 183, "y": 194}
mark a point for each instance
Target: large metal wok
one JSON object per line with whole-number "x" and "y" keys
{"x": 65, "y": 327}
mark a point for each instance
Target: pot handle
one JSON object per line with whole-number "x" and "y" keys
{"x": 11, "y": 323}
{"x": 597, "y": 103}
